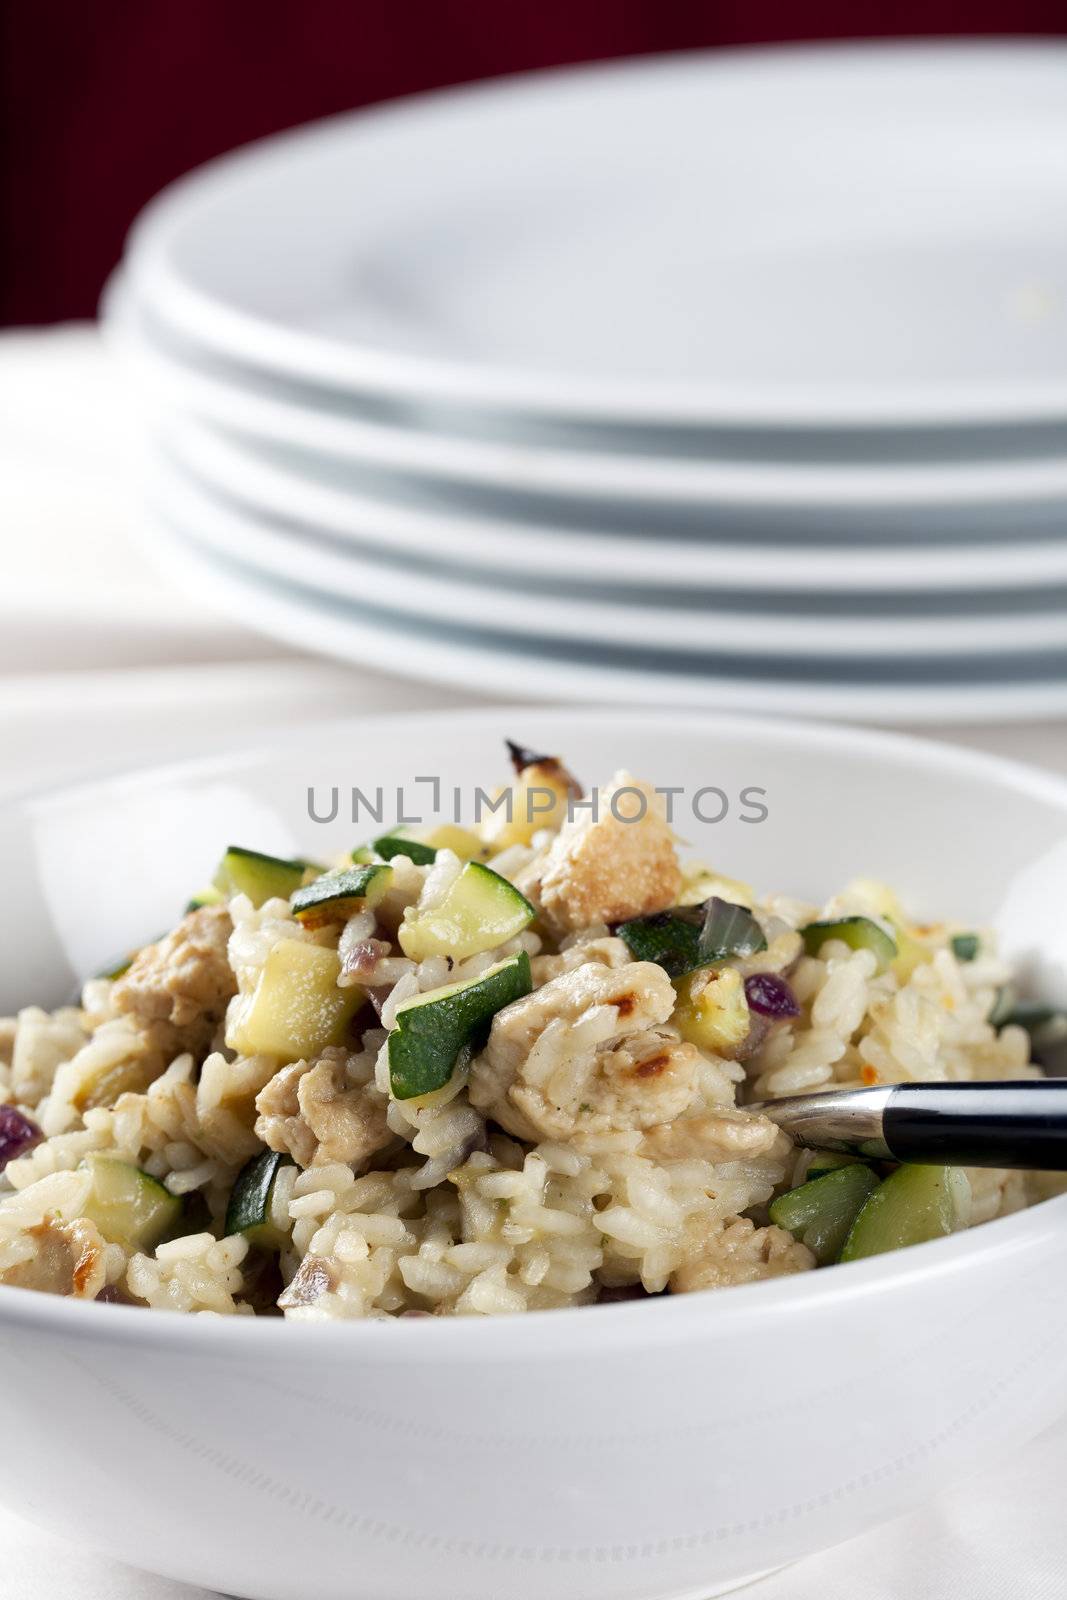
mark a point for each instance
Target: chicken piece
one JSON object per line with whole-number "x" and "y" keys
{"x": 586, "y": 1054}
{"x": 725, "y": 1135}
{"x": 69, "y": 1260}
{"x": 621, "y": 865}
{"x": 178, "y": 989}
{"x": 311, "y": 1110}
{"x": 739, "y": 1252}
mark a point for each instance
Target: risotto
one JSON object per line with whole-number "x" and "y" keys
{"x": 475, "y": 1071}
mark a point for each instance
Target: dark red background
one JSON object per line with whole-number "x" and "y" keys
{"x": 103, "y": 101}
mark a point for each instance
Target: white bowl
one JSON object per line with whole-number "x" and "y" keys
{"x": 631, "y": 1452}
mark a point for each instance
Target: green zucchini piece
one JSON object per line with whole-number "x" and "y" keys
{"x": 1004, "y": 1004}
{"x": 397, "y": 843}
{"x": 248, "y": 1211}
{"x": 859, "y": 933}
{"x": 258, "y": 876}
{"x": 204, "y": 897}
{"x": 670, "y": 939}
{"x": 336, "y": 896}
{"x": 821, "y": 1212}
{"x": 296, "y": 1008}
{"x": 116, "y": 967}
{"x": 824, "y": 1161}
{"x": 912, "y": 1205}
{"x": 435, "y": 1031}
{"x": 965, "y": 946}
{"x": 1033, "y": 1015}
{"x": 480, "y": 910}
{"x": 129, "y": 1206}
{"x": 689, "y": 937}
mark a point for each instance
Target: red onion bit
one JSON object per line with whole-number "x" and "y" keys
{"x": 17, "y": 1135}
{"x": 770, "y": 996}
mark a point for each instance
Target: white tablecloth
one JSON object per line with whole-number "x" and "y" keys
{"x": 102, "y": 667}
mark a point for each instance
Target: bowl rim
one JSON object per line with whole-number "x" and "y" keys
{"x": 529, "y": 1336}
{"x": 546, "y": 1336}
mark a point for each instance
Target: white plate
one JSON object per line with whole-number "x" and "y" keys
{"x": 853, "y": 237}
{"x": 407, "y": 518}
{"x": 176, "y": 374}
{"x": 418, "y": 648}
{"x": 472, "y": 601}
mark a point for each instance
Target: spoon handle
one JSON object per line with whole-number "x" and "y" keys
{"x": 1021, "y": 1123}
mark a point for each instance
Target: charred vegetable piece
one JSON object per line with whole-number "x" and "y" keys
{"x": 17, "y": 1135}
{"x": 679, "y": 941}
{"x": 479, "y": 911}
{"x": 821, "y": 1212}
{"x": 249, "y": 1209}
{"x": 770, "y": 995}
{"x": 712, "y": 1011}
{"x": 129, "y": 1206}
{"x": 914, "y": 1204}
{"x": 859, "y": 933}
{"x": 336, "y": 896}
{"x": 435, "y": 1031}
{"x": 296, "y": 1008}
{"x": 965, "y": 946}
{"x": 260, "y": 877}
{"x": 539, "y": 799}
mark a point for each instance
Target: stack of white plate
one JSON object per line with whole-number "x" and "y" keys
{"x": 731, "y": 380}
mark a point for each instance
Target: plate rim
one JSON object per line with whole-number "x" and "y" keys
{"x": 249, "y": 337}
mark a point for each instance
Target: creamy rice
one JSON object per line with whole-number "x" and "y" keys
{"x": 583, "y": 1148}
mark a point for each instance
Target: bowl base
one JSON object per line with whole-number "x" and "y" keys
{"x": 732, "y": 1587}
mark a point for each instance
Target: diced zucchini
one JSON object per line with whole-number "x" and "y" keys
{"x": 859, "y": 933}
{"x": 435, "y": 1031}
{"x": 700, "y": 884}
{"x": 912, "y": 1205}
{"x": 670, "y": 940}
{"x": 679, "y": 941}
{"x": 115, "y": 968}
{"x": 260, "y": 877}
{"x": 824, "y": 1161}
{"x": 480, "y": 910}
{"x": 205, "y": 897}
{"x": 400, "y": 843}
{"x": 336, "y": 896}
{"x": 712, "y": 1011}
{"x": 251, "y": 1197}
{"x": 130, "y": 1207}
{"x": 462, "y": 842}
{"x": 965, "y": 946}
{"x": 821, "y": 1212}
{"x": 296, "y": 1008}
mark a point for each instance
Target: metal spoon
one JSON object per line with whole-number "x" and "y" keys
{"x": 1021, "y": 1123}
